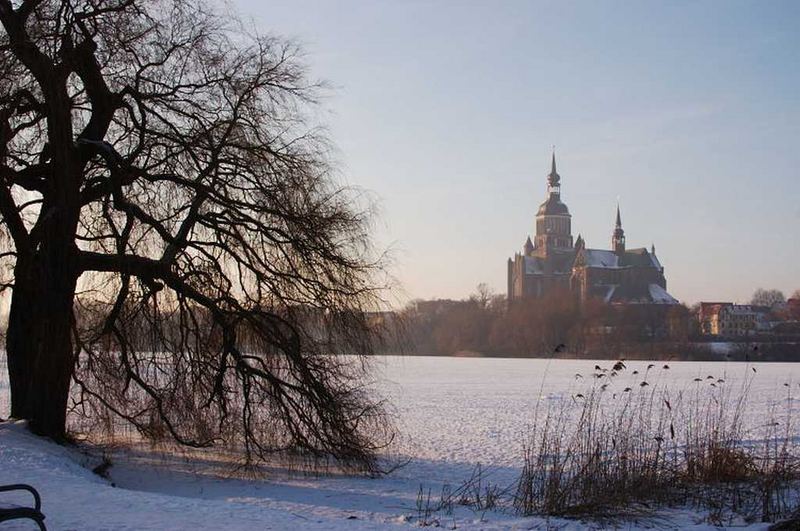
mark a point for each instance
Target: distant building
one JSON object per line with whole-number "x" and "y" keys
{"x": 553, "y": 261}
{"x": 726, "y": 319}
{"x": 709, "y": 317}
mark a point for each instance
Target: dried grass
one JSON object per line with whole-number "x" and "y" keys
{"x": 614, "y": 454}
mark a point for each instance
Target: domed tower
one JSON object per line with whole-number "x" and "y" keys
{"x": 553, "y": 221}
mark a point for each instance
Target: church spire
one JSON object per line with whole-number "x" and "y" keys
{"x": 554, "y": 179}
{"x": 618, "y": 238}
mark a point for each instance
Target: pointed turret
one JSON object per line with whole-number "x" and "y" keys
{"x": 652, "y": 248}
{"x": 618, "y": 238}
{"x": 554, "y": 179}
{"x": 528, "y": 247}
{"x": 579, "y": 243}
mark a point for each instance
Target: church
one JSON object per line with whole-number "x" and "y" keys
{"x": 553, "y": 261}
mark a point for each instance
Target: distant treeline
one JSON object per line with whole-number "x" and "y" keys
{"x": 556, "y": 325}
{"x": 484, "y": 324}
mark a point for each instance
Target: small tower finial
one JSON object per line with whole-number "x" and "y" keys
{"x": 618, "y": 239}
{"x": 554, "y": 179}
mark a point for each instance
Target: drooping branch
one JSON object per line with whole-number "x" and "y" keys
{"x": 224, "y": 276}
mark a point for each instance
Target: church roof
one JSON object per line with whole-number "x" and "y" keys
{"x": 655, "y": 260}
{"x": 602, "y": 258}
{"x": 660, "y": 295}
{"x": 553, "y": 206}
{"x": 640, "y": 257}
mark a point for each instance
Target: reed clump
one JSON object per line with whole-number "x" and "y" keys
{"x": 629, "y": 444}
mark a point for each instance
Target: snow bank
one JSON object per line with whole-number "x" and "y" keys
{"x": 75, "y": 498}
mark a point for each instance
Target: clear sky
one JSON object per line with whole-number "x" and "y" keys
{"x": 687, "y": 112}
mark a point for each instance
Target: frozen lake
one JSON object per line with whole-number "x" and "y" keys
{"x": 451, "y": 413}
{"x": 480, "y": 409}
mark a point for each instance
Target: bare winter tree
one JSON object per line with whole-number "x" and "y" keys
{"x": 177, "y": 248}
{"x": 767, "y": 297}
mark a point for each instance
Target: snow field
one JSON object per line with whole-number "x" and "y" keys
{"x": 451, "y": 413}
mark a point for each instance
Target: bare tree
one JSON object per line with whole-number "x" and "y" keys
{"x": 767, "y": 297}
{"x": 535, "y": 327}
{"x": 483, "y": 296}
{"x": 175, "y": 240}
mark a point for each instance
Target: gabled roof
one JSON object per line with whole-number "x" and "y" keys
{"x": 600, "y": 258}
{"x": 660, "y": 296}
{"x": 745, "y": 309}
{"x": 655, "y": 261}
{"x": 708, "y": 309}
{"x": 604, "y": 259}
{"x": 640, "y": 257}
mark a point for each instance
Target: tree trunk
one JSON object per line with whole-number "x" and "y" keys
{"x": 39, "y": 342}
{"x": 19, "y": 343}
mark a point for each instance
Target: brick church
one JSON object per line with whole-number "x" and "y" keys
{"x": 554, "y": 261}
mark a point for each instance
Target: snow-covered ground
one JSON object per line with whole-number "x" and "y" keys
{"x": 452, "y": 413}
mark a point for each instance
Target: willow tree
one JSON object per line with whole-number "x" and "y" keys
{"x": 178, "y": 250}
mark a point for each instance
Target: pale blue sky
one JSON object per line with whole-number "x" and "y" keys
{"x": 688, "y": 112}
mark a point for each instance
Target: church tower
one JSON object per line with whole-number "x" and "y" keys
{"x": 553, "y": 221}
{"x": 618, "y": 238}
{"x": 549, "y": 262}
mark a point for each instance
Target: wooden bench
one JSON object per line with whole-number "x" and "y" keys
{"x": 15, "y": 512}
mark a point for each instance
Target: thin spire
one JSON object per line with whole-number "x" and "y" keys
{"x": 618, "y": 239}
{"x": 554, "y": 179}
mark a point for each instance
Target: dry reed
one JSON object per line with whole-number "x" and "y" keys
{"x": 614, "y": 451}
